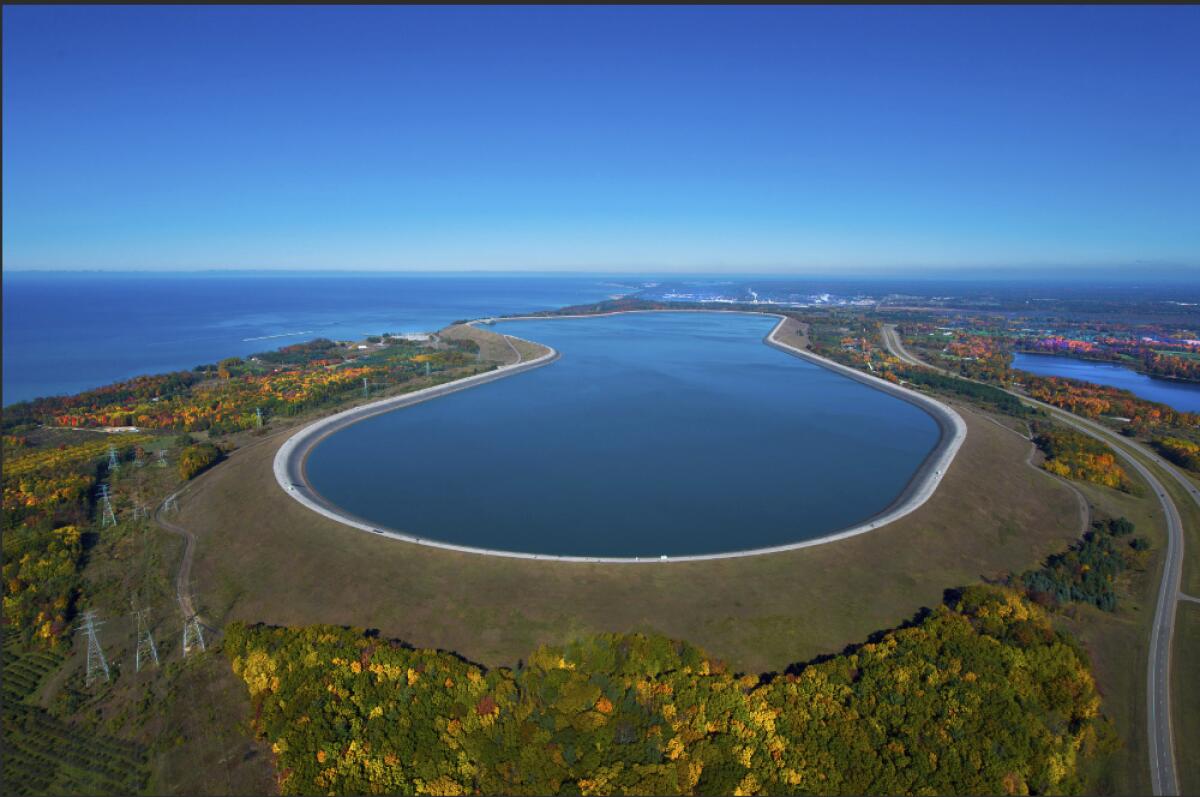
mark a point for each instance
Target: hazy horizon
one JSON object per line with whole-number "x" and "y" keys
{"x": 1131, "y": 273}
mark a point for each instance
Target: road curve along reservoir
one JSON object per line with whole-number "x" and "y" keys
{"x": 653, "y": 437}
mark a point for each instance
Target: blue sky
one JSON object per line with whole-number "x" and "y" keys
{"x": 624, "y": 138}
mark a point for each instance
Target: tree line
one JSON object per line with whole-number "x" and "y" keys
{"x": 980, "y": 695}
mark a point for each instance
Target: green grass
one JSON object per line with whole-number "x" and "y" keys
{"x": 1185, "y": 688}
{"x": 1187, "y": 355}
{"x": 203, "y": 742}
{"x": 491, "y": 345}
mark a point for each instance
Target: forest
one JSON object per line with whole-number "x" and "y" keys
{"x": 227, "y": 396}
{"x": 992, "y": 397}
{"x": 197, "y": 458}
{"x": 980, "y": 695}
{"x": 986, "y": 357}
{"x": 1094, "y": 401}
{"x": 48, "y": 497}
{"x": 1184, "y": 453}
{"x": 1088, "y": 571}
{"x": 1074, "y": 455}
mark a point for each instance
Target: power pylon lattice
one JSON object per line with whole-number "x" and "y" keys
{"x": 146, "y": 649}
{"x": 366, "y": 389}
{"x": 258, "y": 414}
{"x": 162, "y": 458}
{"x": 95, "y": 655}
{"x": 193, "y": 635}
{"x": 107, "y": 516}
{"x": 114, "y": 464}
{"x": 171, "y": 505}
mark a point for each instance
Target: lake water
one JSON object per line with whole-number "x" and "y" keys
{"x": 666, "y": 433}
{"x": 1182, "y": 396}
{"x": 64, "y": 333}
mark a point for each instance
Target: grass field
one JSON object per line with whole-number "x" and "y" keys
{"x": 1118, "y": 642}
{"x": 1186, "y": 686}
{"x": 263, "y": 557}
{"x": 1184, "y": 697}
{"x": 491, "y": 345}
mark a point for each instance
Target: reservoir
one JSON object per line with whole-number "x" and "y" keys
{"x": 1183, "y": 396}
{"x": 653, "y": 434}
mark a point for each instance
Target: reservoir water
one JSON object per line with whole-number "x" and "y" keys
{"x": 664, "y": 433}
{"x": 1184, "y": 396}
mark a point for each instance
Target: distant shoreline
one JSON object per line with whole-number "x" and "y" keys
{"x": 290, "y": 458}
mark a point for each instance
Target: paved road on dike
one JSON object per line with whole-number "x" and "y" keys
{"x": 1163, "y": 776}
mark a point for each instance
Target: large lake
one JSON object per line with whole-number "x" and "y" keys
{"x": 66, "y": 332}
{"x": 665, "y": 433}
{"x": 1184, "y": 396}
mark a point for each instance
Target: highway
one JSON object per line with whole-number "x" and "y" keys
{"x": 1163, "y": 776}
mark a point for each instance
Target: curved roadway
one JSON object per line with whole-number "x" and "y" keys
{"x": 289, "y": 460}
{"x": 1164, "y": 779}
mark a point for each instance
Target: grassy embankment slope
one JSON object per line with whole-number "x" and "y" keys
{"x": 263, "y": 557}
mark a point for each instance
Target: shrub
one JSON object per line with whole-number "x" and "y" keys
{"x": 195, "y": 459}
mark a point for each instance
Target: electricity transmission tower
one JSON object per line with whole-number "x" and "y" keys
{"x": 108, "y": 517}
{"x": 193, "y": 635}
{"x": 258, "y": 413}
{"x": 162, "y": 458}
{"x": 145, "y": 642}
{"x": 95, "y": 656}
{"x": 113, "y": 463}
{"x": 170, "y": 505}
